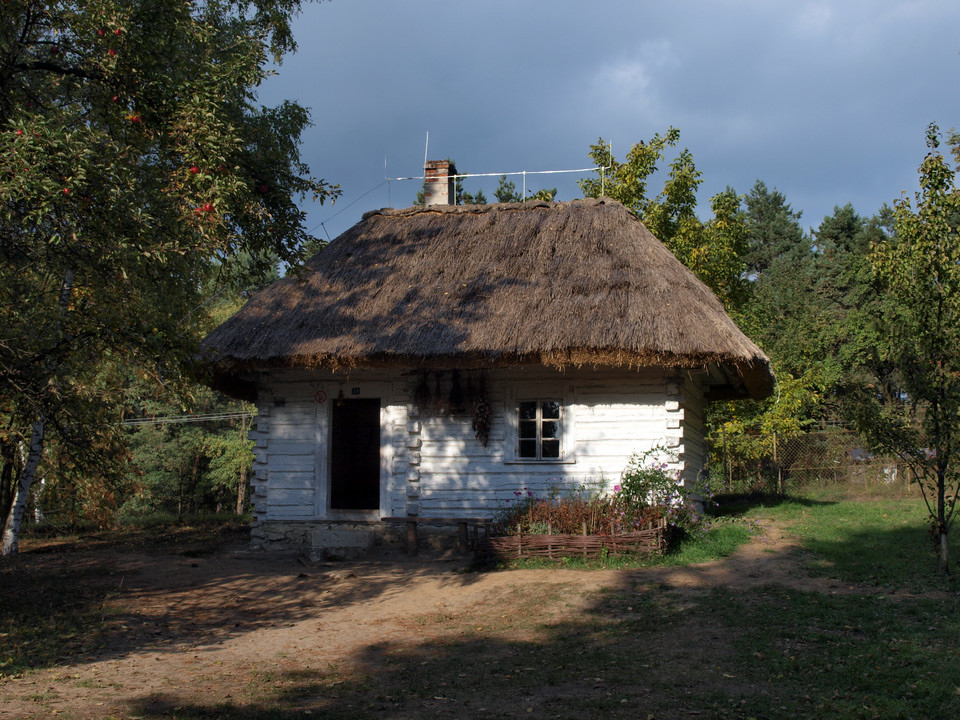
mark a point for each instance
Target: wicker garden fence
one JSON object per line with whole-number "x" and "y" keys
{"x": 503, "y": 547}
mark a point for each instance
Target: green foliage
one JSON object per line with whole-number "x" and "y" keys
{"x": 477, "y": 198}
{"x": 506, "y": 191}
{"x": 920, "y": 270}
{"x": 648, "y": 487}
{"x": 188, "y": 468}
{"x": 813, "y": 304}
{"x": 626, "y": 182}
{"x": 712, "y": 250}
{"x": 135, "y": 167}
{"x": 646, "y": 482}
{"x": 544, "y": 194}
{"x": 773, "y": 230}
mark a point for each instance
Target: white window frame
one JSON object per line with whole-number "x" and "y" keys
{"x": 539, "y": 393}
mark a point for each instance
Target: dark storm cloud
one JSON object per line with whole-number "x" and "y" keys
{"x": 826, "y": 101}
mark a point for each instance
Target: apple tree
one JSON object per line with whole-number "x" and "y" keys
{"x": 136, "y": 166}
{"x": 919, "y": 267}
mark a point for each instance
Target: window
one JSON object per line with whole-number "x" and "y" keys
{"x": 540, "y": 422}
{"x": 539, "y": 427}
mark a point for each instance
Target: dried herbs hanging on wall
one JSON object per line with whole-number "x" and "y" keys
{"x": 421, "y": 396}
{"x": 457, "y": 402}
{"x": 438, "y": 405}
{"x": 482, "y": 416}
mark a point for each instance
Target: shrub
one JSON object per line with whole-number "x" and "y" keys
{"x": 648, "y": 492}
{"x": 648, "y": 486}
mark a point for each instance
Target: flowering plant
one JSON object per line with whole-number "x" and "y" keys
{"x": 648, "y": 487}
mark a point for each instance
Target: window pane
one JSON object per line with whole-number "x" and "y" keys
{"x": 551, "y": 429}
{"x": 528, "y": 411}
{"x": 528, "y": 448}
{"x": 550, "y": 449}
{"x": 528, "y": 429}
{"x": 551, "y": 410}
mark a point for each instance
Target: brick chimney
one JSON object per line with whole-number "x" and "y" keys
{"x": 439, "y": 184}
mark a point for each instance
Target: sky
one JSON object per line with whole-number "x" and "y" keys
{"x": 828, "y": 102}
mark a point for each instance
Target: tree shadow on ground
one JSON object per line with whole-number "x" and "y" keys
{"x": 639, "y": 647}
{"x": 734, "y": 504}
{"x": 637, "y": 650}
{"x": 902, "y": 557}
{"x": 76, "y": 602}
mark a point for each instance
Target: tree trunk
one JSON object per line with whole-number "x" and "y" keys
{"x": 242, "y": 494}
{"x": 8, "y": 475}
{"x": 11, "y": 528}
{"x": 179, "y": 495}
{"x": 942, "y": 525}
{"x": 944, "y": 564}
{"x": 37, "y": 494}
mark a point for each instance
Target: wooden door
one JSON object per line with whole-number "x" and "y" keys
{"x": 355, "y": 455}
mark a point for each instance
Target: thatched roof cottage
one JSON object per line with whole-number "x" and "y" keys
{"x": 435, "y": 360}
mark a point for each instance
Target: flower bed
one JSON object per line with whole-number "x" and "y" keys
{"x": 635, "y": 517}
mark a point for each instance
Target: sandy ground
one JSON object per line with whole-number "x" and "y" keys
{"x": 202, "y": 630}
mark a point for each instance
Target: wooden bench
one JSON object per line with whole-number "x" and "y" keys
{"x": 463, "y": 525}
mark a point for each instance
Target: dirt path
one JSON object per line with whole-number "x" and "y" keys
{"x": 222, "y": 629}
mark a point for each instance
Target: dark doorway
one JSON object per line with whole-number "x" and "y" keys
{"x": 355, "y": 455}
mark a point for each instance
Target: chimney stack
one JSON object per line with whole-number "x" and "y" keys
{"x": 439, "y": 184}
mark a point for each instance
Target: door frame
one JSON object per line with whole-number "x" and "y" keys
{"x": 356, "y": 390}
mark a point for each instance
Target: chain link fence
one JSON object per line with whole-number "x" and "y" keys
{"x": 778, "y": 463}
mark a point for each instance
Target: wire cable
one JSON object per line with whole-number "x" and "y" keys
{"x": 184, "y": 419}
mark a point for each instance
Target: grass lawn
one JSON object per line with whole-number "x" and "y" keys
{"x": 876, "y": 541}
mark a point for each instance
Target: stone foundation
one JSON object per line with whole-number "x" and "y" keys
{"x": 325, "y": 539}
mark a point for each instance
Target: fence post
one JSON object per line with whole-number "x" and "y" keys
{"x": 777, "y": 463}
{"x": 728, "y": 470}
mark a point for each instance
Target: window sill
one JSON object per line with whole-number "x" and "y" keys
{"x": 525, "y": 461}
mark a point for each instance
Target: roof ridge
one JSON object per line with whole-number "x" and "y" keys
{"x": 489, "y": 207}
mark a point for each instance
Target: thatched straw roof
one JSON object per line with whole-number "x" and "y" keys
{"x": 574, "y": 283}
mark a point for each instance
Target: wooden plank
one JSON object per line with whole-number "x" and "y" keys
{"x": 290, "y": 512}
{"x": 285, "y": 496}
{"x": 281, "y": 463}
{"x": 292, "y": 447}
{"x": 474, "y": 452}
{"x": 506, "y": 483}
{"x": 291, "y": 481}
{"x": 461, "y": 432}
{"x": 301, "y": 431}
